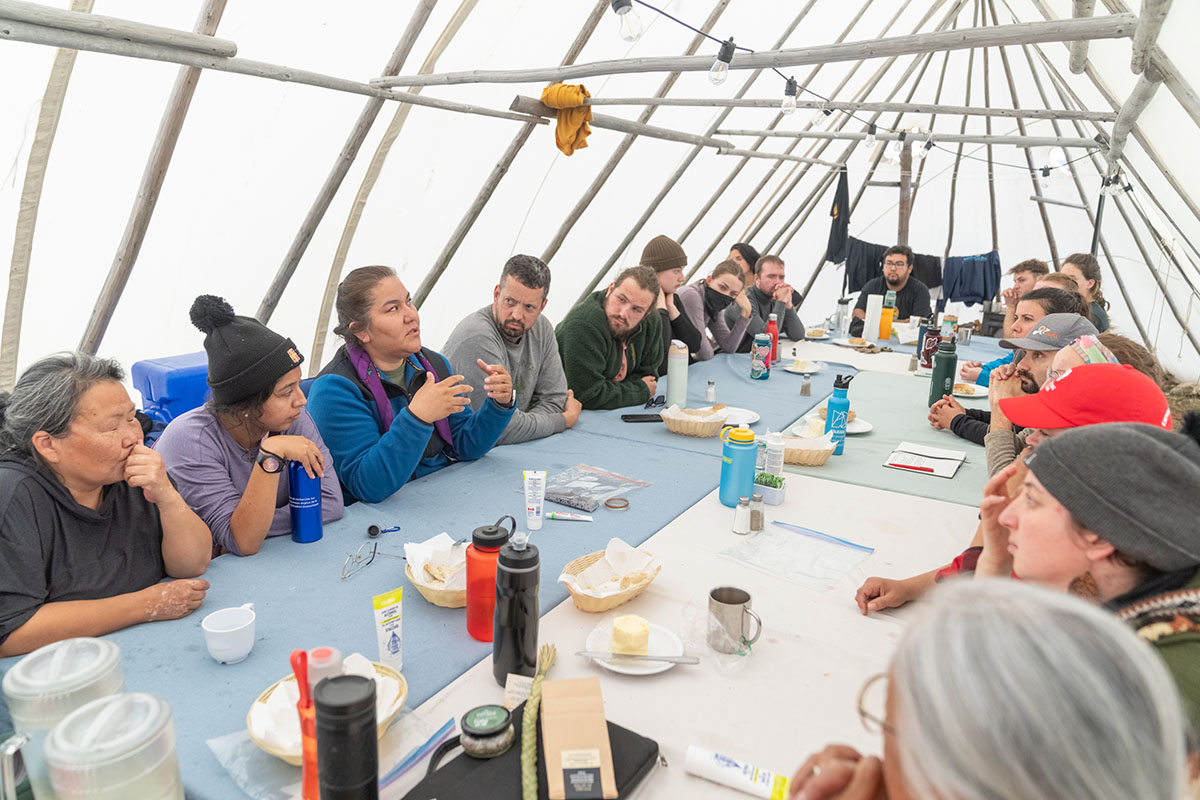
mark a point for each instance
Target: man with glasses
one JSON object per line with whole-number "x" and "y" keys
{"x": 513, "y": 332}
{"x": 612, "y": 344}
{"x": 912, "y": 296}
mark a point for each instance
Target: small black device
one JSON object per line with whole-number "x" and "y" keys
{"x": 641, "y": 418}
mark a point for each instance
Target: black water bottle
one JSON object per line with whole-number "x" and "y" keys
{"x": 515, "y": 631}
{"x": 347, "y": 743}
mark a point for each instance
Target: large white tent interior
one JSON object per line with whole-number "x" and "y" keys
{"x": 255, "y": 154}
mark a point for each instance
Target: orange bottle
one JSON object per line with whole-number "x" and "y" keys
{"x": 482, "y": 554}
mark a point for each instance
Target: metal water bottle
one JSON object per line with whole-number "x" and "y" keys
{"x": 927, "y": 341}
{"x": 347, "y": 738}
{"x": 945, "y": 365}
{"x": 304, "y": 500}
{"x": 515, "y": 626}
{"x": 837, "y": 413}
{"x": 738, "y": 459}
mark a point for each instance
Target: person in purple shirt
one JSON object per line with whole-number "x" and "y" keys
{"x": 228, "y": 457}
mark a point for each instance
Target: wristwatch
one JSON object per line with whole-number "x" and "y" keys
{"x": 270, "y": 463}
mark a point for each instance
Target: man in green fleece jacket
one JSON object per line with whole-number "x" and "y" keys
{"x": 611, "y": 343}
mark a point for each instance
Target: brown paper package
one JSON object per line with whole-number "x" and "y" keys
{"x": 575, "y": 740}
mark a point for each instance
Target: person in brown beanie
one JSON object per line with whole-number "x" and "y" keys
{"x": 664, "y": 255}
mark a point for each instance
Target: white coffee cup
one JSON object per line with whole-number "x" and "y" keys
{"x": 229, "y": 633}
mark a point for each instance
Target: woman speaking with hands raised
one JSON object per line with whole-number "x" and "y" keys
{"x": 390, "y": 409}
{"x": 229, "y": 457}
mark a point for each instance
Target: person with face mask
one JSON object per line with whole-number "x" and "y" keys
{"x": 705, "y": 303}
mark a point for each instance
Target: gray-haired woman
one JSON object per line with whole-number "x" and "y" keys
{"x": 89, "y": 520}
{"x": 1007, "y": 691}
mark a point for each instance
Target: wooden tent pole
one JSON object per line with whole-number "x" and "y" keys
{"x": 113, "y": 28}
{"x": 991, "y": 166}
{"x": 959, "y": 150}
{"x": 153, "y": 176}
{"x": 618, "y": 154}
{"x": 341, "y": 166}
{"x": 1153, "y": 15}
{"x": 1083, "y": 196}
{"x": 31, "y": 196}
{"x": 1143, "y": 92}
{"x": 501, "y": 168}
{"x": 1080, "y": 9}
{"x": 55, "y": 37}
{"x": 1037, "y": 186}
{"x": 770, "y": 173}
{"x": 535, "y": 107}
{"x": 1023, "y": 141}
{"x": 371, "y": 177}
{"x": 1115, "y": 26}
{"x": 843, "y": 105}
{"x": 653, "y": 205}
{"x": 937, "y": 98}
{"x": 904, "y": 208}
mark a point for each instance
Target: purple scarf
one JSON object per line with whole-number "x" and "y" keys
{"x": 368, "y": 373}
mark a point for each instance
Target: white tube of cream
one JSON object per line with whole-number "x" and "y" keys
{"x": 735, "y": 774}
{"x": 535, "y": 497}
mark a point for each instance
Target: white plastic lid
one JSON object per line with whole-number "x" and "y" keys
{"x": 775, "y": 438}
{"x": 121, "y": 746}
{"x": 54, "y": 680}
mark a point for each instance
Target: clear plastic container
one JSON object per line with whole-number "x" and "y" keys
{"x": 50, "y": 683}
{"x": 774, "y": 459}
{"x": 115, "y": 748}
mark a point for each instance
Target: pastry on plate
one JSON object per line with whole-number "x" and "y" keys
{"x": 964, "y": 388}
{"x": 857, "y": 341}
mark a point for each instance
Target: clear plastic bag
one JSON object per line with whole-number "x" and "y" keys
{"x": 585, "y": 487}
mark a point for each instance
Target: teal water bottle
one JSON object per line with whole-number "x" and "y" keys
{"x": 838, "y": 412}
{"x": 738, "y": 458}
{"x": 945, "y": 365}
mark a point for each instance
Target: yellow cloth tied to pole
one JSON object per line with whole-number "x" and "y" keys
{"x": 573, "y": 116}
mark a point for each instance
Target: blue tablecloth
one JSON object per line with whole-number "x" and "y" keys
{"x": 301, "y": 601}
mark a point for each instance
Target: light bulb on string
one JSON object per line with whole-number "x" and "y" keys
{"x": 1044, "y": 180}
{"x": 924, "y": 151}
{"x": 790, "y": 90}
{"x": 898, "y": 145}
{"x": 719, "y": 70}
{"x": 820, "y": 114}
{"x": 871, "y": 140}
{"x": 629, "y": 24}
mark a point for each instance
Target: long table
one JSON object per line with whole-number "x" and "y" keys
{"x": 301, "y": 601}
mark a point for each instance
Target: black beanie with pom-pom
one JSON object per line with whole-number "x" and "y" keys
{"x": 244, "y": 356}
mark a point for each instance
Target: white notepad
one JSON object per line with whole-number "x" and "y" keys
{"x": 928, "y": 460}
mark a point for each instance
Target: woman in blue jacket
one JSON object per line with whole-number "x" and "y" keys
{"x": 389, "y": 409}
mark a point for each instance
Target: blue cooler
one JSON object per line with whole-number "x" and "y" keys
{"x": 172, "y": 385}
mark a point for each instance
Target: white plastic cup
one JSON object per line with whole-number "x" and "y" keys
{"x": 229, "y": 633}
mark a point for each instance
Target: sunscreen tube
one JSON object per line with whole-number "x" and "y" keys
{"x": 535, "y": 496}
{"x": 388, "y": 609}
{"x": 735, "y": 774}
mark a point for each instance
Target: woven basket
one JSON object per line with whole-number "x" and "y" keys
{"x": 295, "y": 758}
{"x": 804, "y": 456}
{"x": 446, "y": 598}
{"x": 594, "y": 605}
{"x": 850, "y": 415}
{"x": 691, "y": 426}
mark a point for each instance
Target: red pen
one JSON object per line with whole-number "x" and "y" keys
{"x": 909, "y": 466}
{"x": 310, "y": 787}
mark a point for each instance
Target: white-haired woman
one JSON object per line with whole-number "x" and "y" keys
{"x": 89, "y": 521}
{"x": 1007, "y": 691}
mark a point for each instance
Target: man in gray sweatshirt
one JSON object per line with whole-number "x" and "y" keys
{"x": 770, "y": 294}
{"x": 511, "y": 331}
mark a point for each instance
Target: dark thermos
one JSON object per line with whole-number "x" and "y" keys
{"x": 347, "y": 743}
{"x": 515, "y": 632}
{"x": 304, "y": 499}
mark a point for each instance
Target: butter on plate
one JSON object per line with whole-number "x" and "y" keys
{"x": 630, "y": 635}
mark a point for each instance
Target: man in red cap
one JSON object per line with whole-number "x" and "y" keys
{"x": 1087, "y": 395}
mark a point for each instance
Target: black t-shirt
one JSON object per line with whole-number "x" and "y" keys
{"x": 912, "y": 299}
{"x": 52, "y": 549}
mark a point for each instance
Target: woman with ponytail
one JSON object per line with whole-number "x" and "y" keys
{"x": 1084, "y": 269}
{"x": 229, "y": 457}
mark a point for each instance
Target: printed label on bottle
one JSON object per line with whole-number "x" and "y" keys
{"x": 388, "y": 616}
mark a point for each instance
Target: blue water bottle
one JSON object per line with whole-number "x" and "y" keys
{"x": 304, "y": 500}
{"x": 738, "y": 458}
{"x": 838, "y": 412}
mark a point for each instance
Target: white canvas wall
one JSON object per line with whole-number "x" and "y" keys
{"x": 253, "y": 154}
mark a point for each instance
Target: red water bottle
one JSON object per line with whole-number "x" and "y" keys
{"x": 482, "y": 553}
{"x": 773, "y": 332}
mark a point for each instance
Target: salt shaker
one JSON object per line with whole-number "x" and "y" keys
{"x": 710, "y": 392}
{"x": 741, "y": 517}
{"x": 806, "y": 386}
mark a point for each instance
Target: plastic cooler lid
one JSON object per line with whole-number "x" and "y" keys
{"x": 111, "y": 741}
{"x": 54, "y": 680}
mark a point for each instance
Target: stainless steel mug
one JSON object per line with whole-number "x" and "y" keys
{"x": 728, "y": 609}
{"x": 964, "y": 334}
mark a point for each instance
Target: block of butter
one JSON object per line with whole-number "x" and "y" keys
{"x": 630, "y": 636}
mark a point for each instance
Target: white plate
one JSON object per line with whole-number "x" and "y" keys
{"x": 737, "y": 416}
{"x": 662, "y": 642}
{"x": 812, "y": 338}
{"x": 847, "y": 343}
{"x": 856, "y": 425}
{"x": 813, "y": 368}
{"x": 980, "y": 392}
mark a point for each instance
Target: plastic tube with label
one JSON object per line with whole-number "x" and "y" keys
{"x": 726, "y": 771}
{"x": 535, "y": 497}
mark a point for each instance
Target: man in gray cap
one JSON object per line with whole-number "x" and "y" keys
{"x": 1025, "y": 375}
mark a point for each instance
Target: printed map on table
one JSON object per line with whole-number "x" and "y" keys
{"x": 804, "y": 560}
